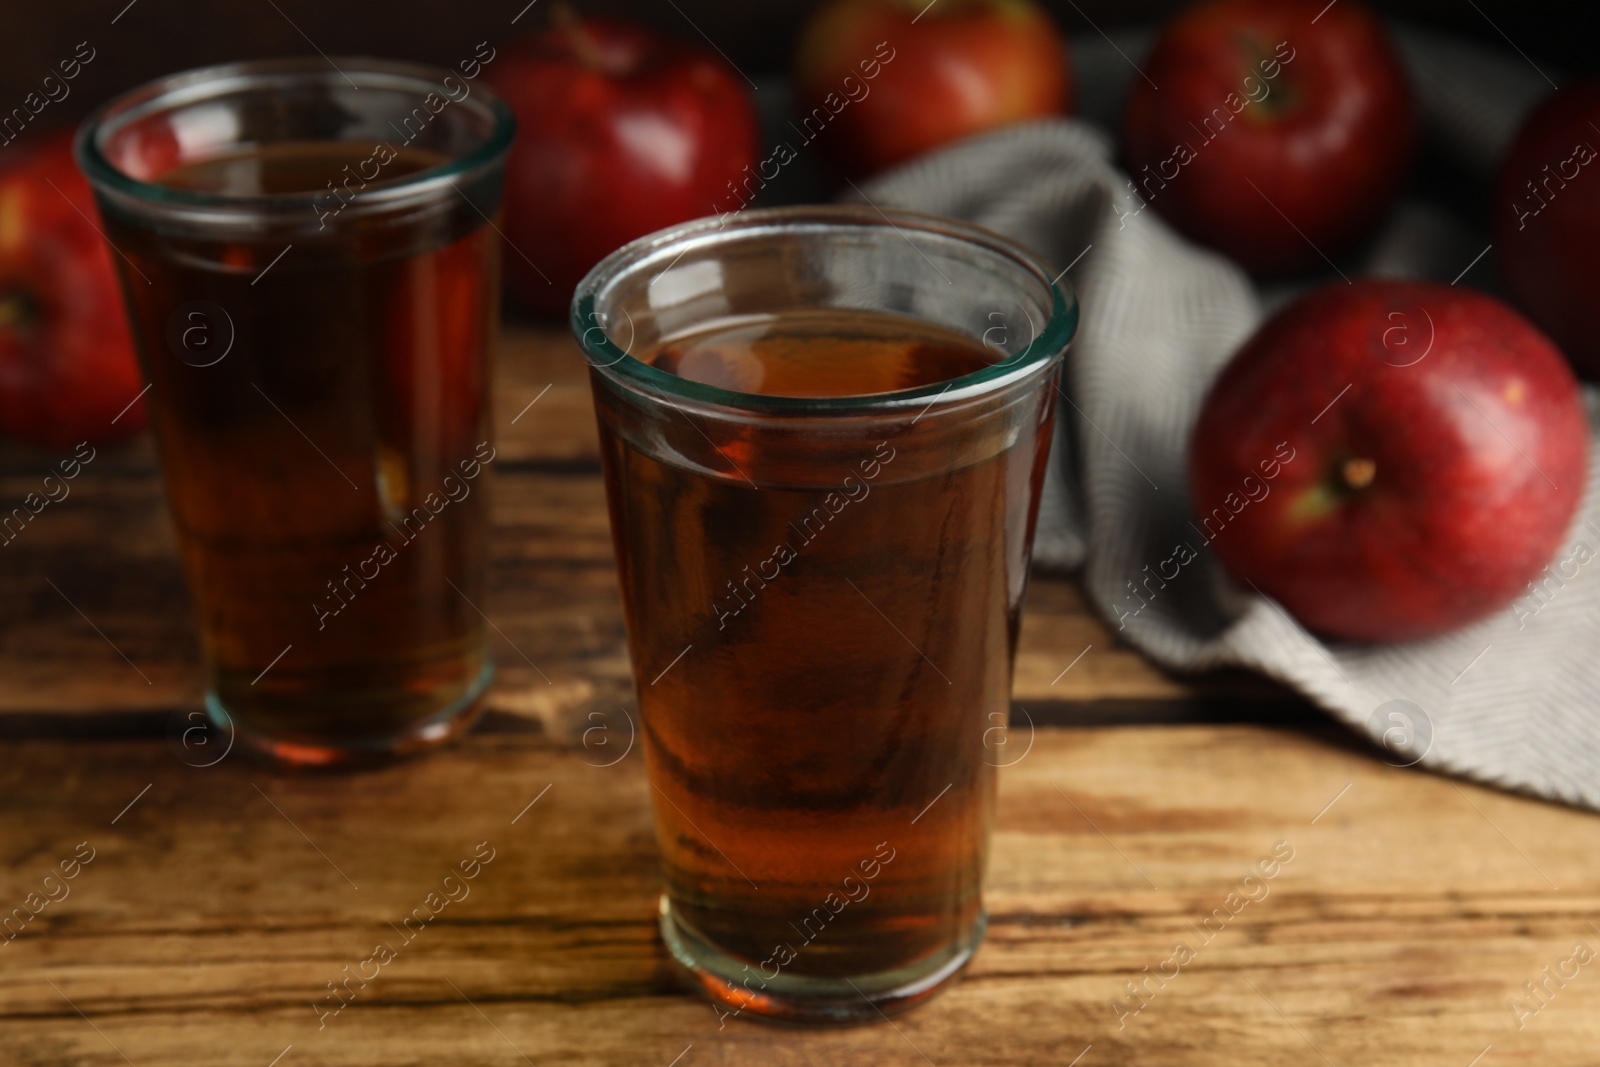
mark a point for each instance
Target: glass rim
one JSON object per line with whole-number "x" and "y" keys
{"x": 1048, "y": 343}
{"x": 225, "y": 79}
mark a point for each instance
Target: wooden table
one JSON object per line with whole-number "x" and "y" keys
{"x": 221, "y": 900}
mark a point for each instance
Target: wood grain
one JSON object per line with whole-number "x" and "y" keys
{"x": 221, "y": 899}
{"x": 218, "y": 906}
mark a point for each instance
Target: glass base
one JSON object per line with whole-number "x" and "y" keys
{"x": 806, "y": 999}
{"x": 440, "y": 728}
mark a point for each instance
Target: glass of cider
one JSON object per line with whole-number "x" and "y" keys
{"x": 311, "y": 273}
{"x": 824, "y": 432}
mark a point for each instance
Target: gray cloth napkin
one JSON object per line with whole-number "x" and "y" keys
{"x": 1509, "y": 700}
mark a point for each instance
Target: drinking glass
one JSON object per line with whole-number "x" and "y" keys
{"x": 822, "y": 593}
{"x": 311, "y": 274}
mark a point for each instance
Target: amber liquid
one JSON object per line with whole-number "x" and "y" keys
{"x": 318, "y": 473}
{"x": 817, "y": 756}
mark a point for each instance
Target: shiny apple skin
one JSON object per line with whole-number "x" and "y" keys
{"x": 955, "y": 68}
{"x": 67, "y": 365}
{"x": 1472, "y": 419}
{"x": 620, "y": 136}
{"x": 1548, "y": 239}
{"x": 1304, "y": 173}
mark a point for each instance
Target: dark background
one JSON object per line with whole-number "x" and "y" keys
{"x": 155, "y": 37}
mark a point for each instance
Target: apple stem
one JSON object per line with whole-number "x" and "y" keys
{"x": 1280, "y": 97}
{"x": 17, "y": 310}
{"x": 1358, "y": 473}
{"x": 566, "y": 20}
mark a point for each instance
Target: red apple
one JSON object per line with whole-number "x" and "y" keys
{"x": 880, "y": 81}
{"x": 1390, "y": 459}
{"x": 1280, "y": 131}
{"x": 67, "y": 367}
{"x": 1547, "y": 221}
{"x": 621, "y": 131}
